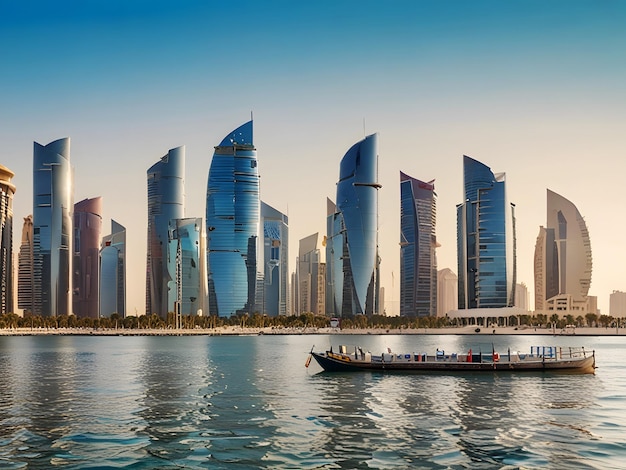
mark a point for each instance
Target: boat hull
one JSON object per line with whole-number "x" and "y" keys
{"x": 337, "y": 363}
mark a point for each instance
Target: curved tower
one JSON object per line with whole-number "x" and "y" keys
{"x": 53, "y": 203}
{"x": 418, "y": 241}
{"x": 7, "y": 189}
{"x": 485, "y": 239}
{"x": 113, "y": 272}
{"x": 87, "y": 234}
{"x": 232, "y": 220}
{"x": 357, "y": 204}
{"x": 166, "y": 199}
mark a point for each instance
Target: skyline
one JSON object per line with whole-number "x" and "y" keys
{"x": 530, "y": 89}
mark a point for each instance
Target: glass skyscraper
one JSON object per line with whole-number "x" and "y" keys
{"x": 418, "y": 241}
{"x": 87, "y": 234}
{"x": 7, "y": 189}
{"x": 233, "y": 219}
{"x": 485, "y": 240}
{"x": 352, "y": 241}
{"x": 275, "y": 255}
{"x": 113, "y": 272}
{"x": 53, "y": 203}
{"x": 25, "y": 278}
{"x": 187, "y": 251}
{"x": 166, "y": 199}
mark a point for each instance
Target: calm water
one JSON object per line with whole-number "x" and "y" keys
{"x": 249, "y": 402}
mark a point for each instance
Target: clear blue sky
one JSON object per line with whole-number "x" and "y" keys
{"x": 531, "y": 88}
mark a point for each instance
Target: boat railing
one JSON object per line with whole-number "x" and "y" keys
{"x": 558, "y": 352}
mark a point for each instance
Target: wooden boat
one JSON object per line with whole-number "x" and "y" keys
{"x": 540, "y": 358}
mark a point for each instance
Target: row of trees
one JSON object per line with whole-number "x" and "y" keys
{"x": 307, "y": 320}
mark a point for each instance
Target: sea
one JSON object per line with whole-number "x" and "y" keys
{"x": 247, "y": 402}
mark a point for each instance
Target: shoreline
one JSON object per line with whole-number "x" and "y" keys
{"x": 239, "y": 331}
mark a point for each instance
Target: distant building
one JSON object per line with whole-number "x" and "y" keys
{"x": 352, "y": 256}
{"x": 166, "y": 201}
{"x": 617, "y": 304}
{"x": 53, "y": 204}
{"x": 522, "y": 296}
{"x": 563, "y": 260}
{"x": 233, "y": 225}
{"x": 87, "y": 238}
{"x": 447, "y": 291}
{"x": 486, "y": 245}
{"x": 418, "y": 243}
{"x": 25, "y": 269}
{"x": 7, "y": 190}
{"x": 113, "y": 272}
{"x": 186, "y": 252}
{"x": 310, "y": 278}
{"x": 276, "y": 254}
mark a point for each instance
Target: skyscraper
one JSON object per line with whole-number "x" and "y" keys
{"x": 233, "y": 219}
{"x": 166, "y": 199}
{"x": 186, "y": 250}
{"x": 113, "y": 272}
{"x": 562, "y": 258}
{"x": 418, "y": 241}
{"x": 485, "y": 239}
{"x": 310, "y": 278}
{"x": 87, "y": 234}
{"x": 353, "y": 232}
{"x": 53, "y": 203}
{"x": 25, "y": 269}
{"x": 7, "y": 189}
{"x": 275, "y": 254}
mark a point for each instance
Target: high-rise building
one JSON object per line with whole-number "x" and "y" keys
{"x": 522, "y": 296}
{"x": 233, "y": 224}
{"x": 485, "y": 239}
{"x": 87, "y": 235}
{"x": 7, "y": 190}
{"x": 188, "y": 289}
{"x": 562, "y": 259}
{"x": 25, "y": 269}
{"x": 310, "y": 278}
{"x": 617, "y": 304}
{"x": 166, "y": 201}
{"x": 275, "y": 254}
{"x": 418, "y": 242}
{"x": 113, "y": 272}
{"x": 352, "y": 242}
{"x": 53, "y": 203}
{"x": 447, "y": 291}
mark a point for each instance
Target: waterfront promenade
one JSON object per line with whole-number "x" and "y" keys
{"x": 239, "y": 331}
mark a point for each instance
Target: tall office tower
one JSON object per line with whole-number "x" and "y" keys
{"x": 447, "y": 291}
{"x": 53, "y": 203}
{"x": 522, "y": 296}
{"x": 352, "y": 240}
{"x": 87, "y": 235}
{"x": 418, "y": 241}
{"x": 485, "y": 240}
{"x": 276, "y": 254}
{"x": 25, "y": 279}
{"x": 166, "y": 201}
{"x": 310, "y": 278}
{"x": 562, "y": 258}
{"x": 7, "y": 189}
{"x": 186, "y": 251}
{"x": 233, "y": 220}
{"x": 113, "y": 272}
{"x": 617, "y": 304}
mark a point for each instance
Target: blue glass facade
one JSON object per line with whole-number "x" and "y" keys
{"x": 166, "y": 198}
{"x": 354, "y": 231}
{"x": 485, "y": 240}
{"x": 233, "y": 218}
{"x": 418, "y": 262}
{"x": 113, "y": 272}
{"x": 53, "y": 203}
{"x": 186, "y": 252}
{"x": 275, "y": 255}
